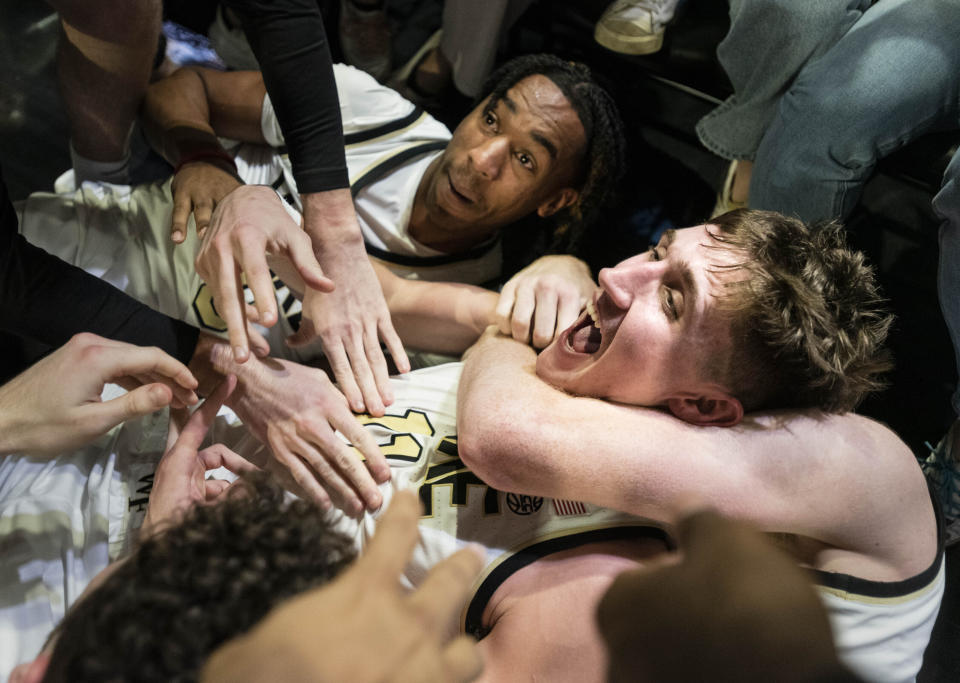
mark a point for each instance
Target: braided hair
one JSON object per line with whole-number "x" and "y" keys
{"x": 603, "y": 159}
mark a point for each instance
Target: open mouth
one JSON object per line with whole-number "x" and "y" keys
{"x": 466, "y": 199}
{"x": 585, "y": 335}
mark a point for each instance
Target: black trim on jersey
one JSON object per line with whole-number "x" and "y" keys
{"x": 889, "y": 589}
{"x": 384, "y": 129}
{"x": 376, "y": 131}
{"x": 381, "y": 170}
{"x": 426, "y": 261}
{"x": 390, "y": 163}
{"x": 473, "y": 622}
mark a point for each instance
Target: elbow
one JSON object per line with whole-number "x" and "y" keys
{"x": 485, "y": 443}
{"x": 473, "y": 447}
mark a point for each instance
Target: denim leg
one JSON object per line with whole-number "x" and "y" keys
{"x": 890, "y": 78}
{"x": 768, "y": 43}
{"x": 947, "y": 206}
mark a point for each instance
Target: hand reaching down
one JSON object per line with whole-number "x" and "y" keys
{"x": 544, "y": 299}
{"x": 55, "y": 405}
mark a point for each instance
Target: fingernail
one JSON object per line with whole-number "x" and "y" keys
{"x": 239, "y": 354}
{"x": 177, "y": 236}
{"x": 267, "y": 318}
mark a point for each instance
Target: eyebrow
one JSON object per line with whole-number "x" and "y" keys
{"x": 537, "y": 137}
{"x": 686, "y": 273}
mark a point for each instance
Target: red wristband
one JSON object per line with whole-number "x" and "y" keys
{"x": 206, "y": 154}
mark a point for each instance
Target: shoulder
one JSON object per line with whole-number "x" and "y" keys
{"x": 364, "y": 102}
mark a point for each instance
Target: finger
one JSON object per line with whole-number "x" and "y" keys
{"x": 196, "y": 428}
{"x": 568, "y": 311}
{"x": 149, "y": 363}
{"x": 141, "y": 401}
{"x": 258, "y": 343}
{"x": 304, "y": 335}
{"x": 181, "y": 212}
{"x": 340, "y": 472}
{"x": 363, "y": 441}
{"x": 699, "y": 533}
{"x": 544, "y": 318}
{"x": 343, "y": 375}
{"x": 394, "y": 541}
{"x": 254, "y": 265}
{"x": 364, "y": 376}
{"x": 230, "y": 306}
{"x": 461, "y": 660}
{"x": 505, "y": 306}
{"x": 394, "y": 346}
{"x": 178, "y": 419}
{"x": 378, "y": 365}
{"x": 201, "y": 215}
{"x": 298, "y": 473}
{"x": 181, "y": 395}
{"x": 212, "y": 488}
{"x": 522, "y": 315}
{"x": 253, "y": 315}
{"x": 218, "y": 455}
{"x": 300, "y": 251}
{"x": 443, "y": 592}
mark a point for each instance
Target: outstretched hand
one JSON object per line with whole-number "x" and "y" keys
{"x": 55, "y": 405}
{"x": 180, "y": 480}
{"x": 352, "y": 320}
{"x": 297, "y": 412}
{"x": 246, "y": 226}
{"x": 370, "y": 628}
{"x": 544, "y": 298}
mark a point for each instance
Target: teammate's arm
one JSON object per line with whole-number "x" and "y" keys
{"x": 518, "y": 433}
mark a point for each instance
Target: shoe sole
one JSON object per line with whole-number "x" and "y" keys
{"x": 628, "y": 45}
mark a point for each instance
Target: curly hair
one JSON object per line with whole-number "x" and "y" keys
{"x": 195, "y": 585}
{"x": 808, "y": 320}
{"x": 604, "y": 156}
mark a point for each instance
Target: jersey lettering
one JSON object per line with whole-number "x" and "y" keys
{"x": 139, "y": 504}
{"x": 411, "y": 422}
{"x": 208, "y": 317}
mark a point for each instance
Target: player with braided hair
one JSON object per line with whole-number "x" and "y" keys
{"x": 601, "y": 122}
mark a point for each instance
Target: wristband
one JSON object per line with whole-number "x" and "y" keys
{"x": 206, "y": 155}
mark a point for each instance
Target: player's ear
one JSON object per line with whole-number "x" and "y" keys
{"x": 561, "y": 199}
{"x": 715, "y": 411}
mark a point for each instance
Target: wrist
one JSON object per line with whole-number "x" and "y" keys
{"x": 215, "y": 156}
{"x": 212, "y": 360}
{"x": 331, "y": 217}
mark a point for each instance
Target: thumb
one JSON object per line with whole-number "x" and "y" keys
{"x": 141, "y": 401}
{"x": 309, "y": 268}
{"x": 302, "y": 336}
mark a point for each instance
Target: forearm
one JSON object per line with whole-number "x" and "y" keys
{"x": 31, "y": 281}
{"x": 176, "y": 117}
{"x": 440, "y": 316}
{"x": 184, "y": 114}
{"x": 518, "y": 433}
{"x": 330, "y": 220}
{"x": 289, "y": 40}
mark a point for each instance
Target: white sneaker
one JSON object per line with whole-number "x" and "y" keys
{"x": 634, "y": 27}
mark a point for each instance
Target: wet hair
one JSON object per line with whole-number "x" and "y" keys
{"x": 603, "y": 159}
{"x": 193, "y": 586}
{"x": 808, "y": 320}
